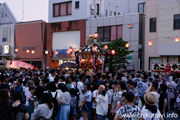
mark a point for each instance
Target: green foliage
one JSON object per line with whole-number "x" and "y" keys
{"x": 120, "y": 57}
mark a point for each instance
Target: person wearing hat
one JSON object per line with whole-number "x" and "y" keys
{"x": 150, "y": 111}
{"x": 102, "y": 103}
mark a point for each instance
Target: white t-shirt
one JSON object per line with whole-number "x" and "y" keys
{"x": 51, "y": 79}
{"x": 93, "y": 103}
{"x": 102, "y": 105}
{"x": 147, "y": 115}
{"x": 157, "y": 97}
{"x": 80, "y": 86}
{"x": 59, "y": 92}
{"x": 54, "y": 93}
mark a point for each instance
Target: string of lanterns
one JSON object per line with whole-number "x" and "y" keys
{"x": 27, "y": 51}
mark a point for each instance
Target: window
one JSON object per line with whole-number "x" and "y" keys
{"x": 62, "y": 9}
{"x": 152, "y": 24}
{"x": 5, "y": 34}
{"x": 141, "y": 8}
{"x": 176, "y": 22}
{"x": 109, "y": 33}
{"x": 76, "y": 4}
{"x": 104, "y": 34}
{"x": 97, "y": 9}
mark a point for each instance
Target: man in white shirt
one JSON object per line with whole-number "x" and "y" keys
{"x": 53, "y": 74}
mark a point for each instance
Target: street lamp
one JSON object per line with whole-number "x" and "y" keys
{"x": 33, "y": 51}
{"x": 16, "y": 50}
{"x": 46, "y": 52}
{"x": 27, "y": 51}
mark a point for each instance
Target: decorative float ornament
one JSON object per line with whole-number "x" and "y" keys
{"x": 176, "y": 39}
{"x": 82, "y": 60}
{"x": 112, "y": 52}
{"x": 91, "y": 60}
{"x": 95, "y": 35}
{"x": 106, "y": 47}
{"x": 94, "y": 48}
{"x": 150, "y": 43}
{"x": 127, "y": 45}
{"x": 70, "y": 50}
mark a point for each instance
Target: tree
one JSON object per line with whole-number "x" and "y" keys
{"x": 121, "y": 52}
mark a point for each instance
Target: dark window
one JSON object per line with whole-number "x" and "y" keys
{"x": 62, "y": 9}
{"x": 141, "y": 8}
{"x": 104, "y": 34}
{"x": 97, "y": 9}
{"x": 176, "y": 22}
{"x": 152, "y": 24}
{"x": 77, "y": 4}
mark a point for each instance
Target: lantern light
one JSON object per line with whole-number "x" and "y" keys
{"x": 176, "y": 39}
{"x": 56, "y": 52}
{"x": 16, "y": 50}
{"x": 112, "y": 52}
{"x": 106, "y": 47}
{"x": 27, "y": 51}
{"x": 94, "y": 48}
{"x": 70, "y": 50}
{"x": 150, "y": 43}
{"x": 46, "y": 52}
{"x": 95, "y": 35}
{"x": 127, "y": 45}
{"x": 33, "y": 51}
{"x": 82, "y": 60}
{"x": 91, "y": 60}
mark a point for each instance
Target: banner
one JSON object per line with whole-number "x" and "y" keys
{"x": 165, "y": 67}
{"x": 19, "y": 64}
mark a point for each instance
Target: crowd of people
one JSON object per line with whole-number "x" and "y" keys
{"x": 59, "y": 94}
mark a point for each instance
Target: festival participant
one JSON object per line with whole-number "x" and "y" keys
{"x": 44, "y": 110}
{"x": 85, "y": 104}
{"x": 102, "y": 103}
{"x": 150, "y": 110}
{"x": 129, "y": 110}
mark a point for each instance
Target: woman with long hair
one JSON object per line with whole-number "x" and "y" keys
{"x": 45, "y": 109}
{"x": 85, "y": 105}
{"x": 5, "y": 105}
{"x": 150, "y": 110}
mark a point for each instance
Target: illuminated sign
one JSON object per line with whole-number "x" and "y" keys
{"x": 6, "y": 49}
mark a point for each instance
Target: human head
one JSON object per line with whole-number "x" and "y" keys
{"x": 150, "y": 99}
{"x": 155, "y": 85}
{"x": 98, "y": 75}
{"x": 163, "y": 87}
{"x": 82, "y": 77}
{"x": 101, "y": 88}
{"x": 122, "y": 85}
{"x": 56, "y": 80}
{"x": 4, "y": 96}
{"x": 32, "y": 89}
{"x": 131, "y": 85}
{"x": 16, "y": 74}
{"x": 17, "y": 96}
{"x": 46, "y": 98}
{"x": 62, "y": 78}
{"x": 107, "y": 84}
{"x": 164, "y": 79}
{"x": 129, "y": 97}
{"x": 87, "y": 86}
{"x": 71, "y": 78}
{"x": 51, "y": 87}
{"x": 118, "y": 79}
{"x": 19, "y": 81}
{"x": 113, "y": 85}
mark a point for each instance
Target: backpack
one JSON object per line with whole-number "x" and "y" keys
{"x": 56, "y": 106}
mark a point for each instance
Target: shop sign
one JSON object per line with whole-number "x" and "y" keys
{"x": 165, "y": 67}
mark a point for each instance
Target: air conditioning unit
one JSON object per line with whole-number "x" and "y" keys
{"x": 92, "y": 6}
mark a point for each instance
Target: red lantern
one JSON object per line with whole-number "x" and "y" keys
{"x": 52, "y": 52}
{"x": 95, "y": 35}
{"x": 150, "y": 43}
{"x": 127, "y": 45}
{"x": 106, "y": 47}
{"x": 94, "y": 48}
{"x": 112, "y": 52}
{"x": 70, "y": 50}
{"x": 176, "y": 39}
{"x": 82, "y": 60}
{"x": 56, "y": 52}
{"x": 91, "y": 60}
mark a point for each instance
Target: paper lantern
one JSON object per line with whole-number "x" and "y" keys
{"x": 176, "y": 39}
{"x": 27, "y": 51}
{"x": 127, "y": 45}
{"x": 56, "y": 52}
{"x": 106, "y": 47}
{"x": 150, "y": 43}
{"x": 112, "y": 52}
{"x": 70, "y": 50}
{"x": 16, "y": 50}
{"x": 95, "y": 35}
{"x": 46, "y": 52}
{"x": 33, "y": 51}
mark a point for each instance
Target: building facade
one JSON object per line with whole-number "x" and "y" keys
{"x": 7, "y": 39}
{"x": 128, "y": 27}
{"x": 162, "y": 27}
{"x": 30, "y": 42}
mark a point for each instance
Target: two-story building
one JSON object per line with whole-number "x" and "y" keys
{"x": 7, "y": 39}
